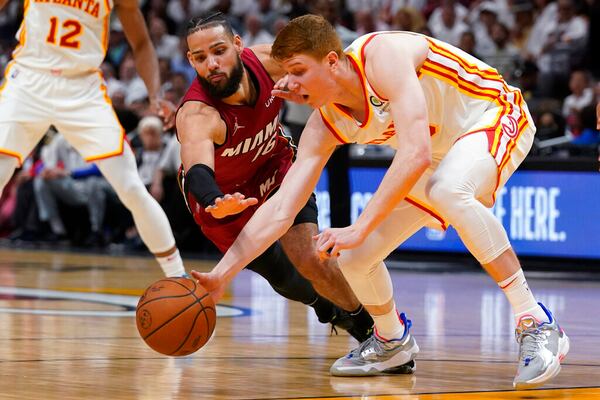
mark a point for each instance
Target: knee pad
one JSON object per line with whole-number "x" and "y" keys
{"x": 443, "y": 192}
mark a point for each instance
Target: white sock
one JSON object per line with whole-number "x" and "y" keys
{"x": 521, "y": 299}
{"x": 172, "y": 265}
{"x": 388, "y": 326}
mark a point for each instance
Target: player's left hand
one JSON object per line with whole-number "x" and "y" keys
{"x": 331, "y": 241}
{"x": 230, "y": 204}
{"x": 165, "y": 110}
{"x": 212, "y": 283}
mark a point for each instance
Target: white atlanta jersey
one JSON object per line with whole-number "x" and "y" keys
{"x": 463, "y": 95}
{"x": 68, "y": 37}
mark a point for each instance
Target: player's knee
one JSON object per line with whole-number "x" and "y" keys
{"x": 131, "y": 193}
{"x": 445, "y": 193}
{"x": 352, "y": 264}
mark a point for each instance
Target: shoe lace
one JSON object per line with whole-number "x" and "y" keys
{"x": 333, "y": 330}
{"x": 370, "y": 342}
{"x": 531, "y": 341}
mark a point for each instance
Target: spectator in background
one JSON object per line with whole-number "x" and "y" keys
{"x": 165, "y": 44}
{"x": 468, "y": 43}
{"x": 408, "y": 19}
{"x": 279, "y": 24}
{"x": 167, "y": 167}
{"x": 164, "y": 69}
{"x": 504, "y": 56}
{"x": 255, "y": 33}
{"x": 545, "y": 12}
{"x": 180, "y": 63}
{"x": 331, "y": 11}
{"x": 589, "y": 139}
{"x": 176, "y": 86}
{"x": 117, "y": 44}
{"x": 181, "y": 10}
{"x": 364, "y": 22}
{"x": 134, "y": 85}
{"x": 390, "y": 8}
{"x": 158, "y": 9}
{"x": 582, "y": 94}
{"x": 523, "y": 16}
{"x": 564, "y": 41}
{"x": 268, "y": 14}
{"x": 67, "y": 178}
{"x": 450, "y": 26}
{"x": 484, "y": 19}
{"x": 150, "y": 131}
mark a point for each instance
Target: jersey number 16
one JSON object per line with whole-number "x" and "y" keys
{"x": 71, "y": 29}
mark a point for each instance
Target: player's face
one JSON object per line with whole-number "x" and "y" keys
{"x": 216, "y": 58}
{"x": 310, "y": 78}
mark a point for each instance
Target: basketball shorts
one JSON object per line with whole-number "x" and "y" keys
{"x": 504, "y": 138}
{"x": 79, "y": 108}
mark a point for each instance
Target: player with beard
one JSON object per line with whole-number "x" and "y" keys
{"x": 232, "y": 142}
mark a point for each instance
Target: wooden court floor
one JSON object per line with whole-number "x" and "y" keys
{"x": 67, "y": 332}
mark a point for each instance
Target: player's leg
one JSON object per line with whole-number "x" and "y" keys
{"x": 150, "y": 219}
{"x": 284, "y": 278}
{"x": 469, "y": 173}
{"x": 88, "y": 122}
{"x": 328, "y": 281}
{"x": 325, "y": 277}
{"x": 392, "y": 346}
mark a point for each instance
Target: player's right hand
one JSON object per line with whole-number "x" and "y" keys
{"x": 230, "y": 204}
{"x": 212, "y": 283}
{"x": 165, "y": 110}
{"x": 286, "y": 91}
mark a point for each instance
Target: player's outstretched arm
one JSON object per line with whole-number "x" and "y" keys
{"x": 199, "y": 127}
{"x": 3, "y": 3}
{"x": 277, "y": 214}
{"x": 391, "y": 69}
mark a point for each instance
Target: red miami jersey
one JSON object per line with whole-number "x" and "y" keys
{"x": 255, "y": 156}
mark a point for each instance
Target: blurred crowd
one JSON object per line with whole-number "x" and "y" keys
{"x": 549, "y": 49}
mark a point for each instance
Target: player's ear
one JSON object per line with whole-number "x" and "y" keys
{"x": 332, "y": 59}
{"x": 238, "y": 43}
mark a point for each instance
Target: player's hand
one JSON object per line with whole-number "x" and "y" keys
{"x": 230, "y": 204}
{"x": 331, "y": 241}
{"x": 212, "y": 283}
{"x": 165, "y": 110}
{"x": 288, "y": 91}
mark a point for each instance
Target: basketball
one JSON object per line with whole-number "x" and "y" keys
{"x": 176, "y": 316}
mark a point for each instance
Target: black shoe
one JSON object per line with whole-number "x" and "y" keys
{"x": 359, "y": 325}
